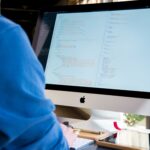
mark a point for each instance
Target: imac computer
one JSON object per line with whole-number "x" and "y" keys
{"x": 97, "y": 56}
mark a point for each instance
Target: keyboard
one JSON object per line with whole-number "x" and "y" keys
{"x": 81, "y": 142}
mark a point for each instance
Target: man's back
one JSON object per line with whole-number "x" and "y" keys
{"x": 27, "y": 120}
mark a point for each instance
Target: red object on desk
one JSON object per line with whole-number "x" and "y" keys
{"x": 116, "y": 126}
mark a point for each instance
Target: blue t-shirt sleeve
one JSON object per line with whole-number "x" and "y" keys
{"x": 27, "y": 120}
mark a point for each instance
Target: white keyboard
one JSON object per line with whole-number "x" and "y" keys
{"x": 80, "y": 143}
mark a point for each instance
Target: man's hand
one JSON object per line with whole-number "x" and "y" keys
{"x": 69, "y": 135}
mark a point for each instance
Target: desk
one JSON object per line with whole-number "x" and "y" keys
{"x": 139, "y": 142}
{"x": 129, "y": 137}
{"x": 95, "y": 147}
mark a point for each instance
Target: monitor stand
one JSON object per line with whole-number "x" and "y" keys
{"x": 66, "y": 112}
{"x": 148, "y": 122}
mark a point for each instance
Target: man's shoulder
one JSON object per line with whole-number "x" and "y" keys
{"x": 6, "y": 24}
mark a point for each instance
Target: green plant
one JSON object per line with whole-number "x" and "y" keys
{"x": 132, "y": 119}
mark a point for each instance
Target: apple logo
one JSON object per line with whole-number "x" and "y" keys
{"x": 82, "y": 99}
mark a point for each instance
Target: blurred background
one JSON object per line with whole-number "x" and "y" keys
{"x": 25, "y": 12}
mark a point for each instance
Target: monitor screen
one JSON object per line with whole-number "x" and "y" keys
{"x": 97, "y": 49}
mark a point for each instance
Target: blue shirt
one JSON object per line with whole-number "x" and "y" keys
{"x": 27, "y": 121}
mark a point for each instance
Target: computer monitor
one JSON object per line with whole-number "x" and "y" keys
{"x": 97, "y": 56}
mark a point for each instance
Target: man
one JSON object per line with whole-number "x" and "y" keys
{"x": 27, "y": 121}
